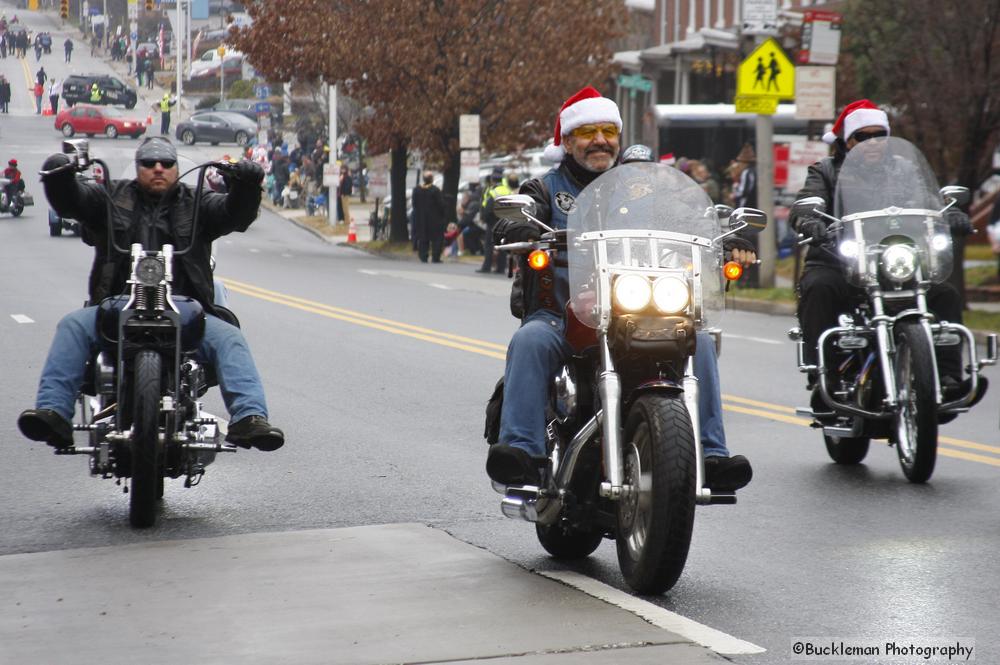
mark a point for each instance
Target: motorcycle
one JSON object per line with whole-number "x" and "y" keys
{"x": 644, "y": 254}
{"x": 15, "y": 202}
{"x": 876, "y": 371}
{"x": 139, "y": 404}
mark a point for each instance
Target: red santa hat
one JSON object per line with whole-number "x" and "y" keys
{"x": 856, "y": 115}
{"x": 585, "y": 107}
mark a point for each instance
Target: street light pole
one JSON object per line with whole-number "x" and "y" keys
{"x": 179, "y": 29}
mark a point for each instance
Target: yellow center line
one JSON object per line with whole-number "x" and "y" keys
{"x": 28, "y": 80}
{"x": 768, "y": 410}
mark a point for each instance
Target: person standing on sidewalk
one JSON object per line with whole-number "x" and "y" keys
{"x": 165, "y": 105}
{"x": 55, "y": 89}
{"x": 68, "y": 48}
{"x": 149, "y": 73}
{"x": 428, "y": 219}
{"x": 497, "y": 188}
{"x": 4, "y": 93}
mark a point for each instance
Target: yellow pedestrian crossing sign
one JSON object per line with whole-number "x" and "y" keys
{"x": 766, "y": 72}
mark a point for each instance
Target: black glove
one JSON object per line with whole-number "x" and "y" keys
{"x": 56, "y": 161}
{"x": 244, "y": 172}
{"x": 736, "y": 242}
{"x": 813, "y": 228}
{"x": 518, "y": 231}
{"x": 959, "y": 222}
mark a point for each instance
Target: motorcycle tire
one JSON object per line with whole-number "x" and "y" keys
{"x": 146, "y": 467}
{"x": 655, "y": 521}
{"x": 17, "y": 208}
{"x": 916, "y": 424}
{"x": 846, "y": 449}
{"x": 566, "y": 543}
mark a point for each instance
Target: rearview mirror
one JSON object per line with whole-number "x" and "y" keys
{"x": 722, "y": 210}
{"x": 960, "y": 194}
{"x": 808, "y": 205}
{"x": 514, "y": 206}
{"x": 78, "y": 150}
{"x": 751, "y": 218}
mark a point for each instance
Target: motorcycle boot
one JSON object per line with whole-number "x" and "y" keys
{"x": 46, "y": 425}
{"x": 510, "y": 465}
{"x": 727, "y": 474}
{"x": 255, "y": 432}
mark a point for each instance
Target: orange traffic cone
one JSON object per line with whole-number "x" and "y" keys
{"x": 352, "y": 232}
{"x": 149, "y": 119}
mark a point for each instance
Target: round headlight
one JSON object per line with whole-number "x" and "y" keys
{"x": 670, "y": 295}
{"x": 632, "y": 293}
{"x": 149, "y": 271}
{"x": 849, "y": 249}
{"x": 940, "y": 242}
{"x": 899, "y": 262}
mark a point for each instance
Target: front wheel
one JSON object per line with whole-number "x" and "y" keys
{"x": 67, "y": 130}
{"x": 916, "y": 423}
{"x": 845, "y": 449}
{"x": 188, "y": 137}
{"x": 111, "y": 132}
{"x": 242, "y": 138}
{"x": 567, "y": 543}
{"x": 146, "y": 471}
{"x": 656, "y": 515}
{"x": 17, "y": 206}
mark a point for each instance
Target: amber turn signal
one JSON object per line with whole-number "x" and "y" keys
{"x": 538, "y": 260}
{"x": 732, "y": 270}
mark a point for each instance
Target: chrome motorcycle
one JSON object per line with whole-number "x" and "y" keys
{"x": 644, "y": 254}
{"x": 876, "y": 371}
{"x": 140, "y": 403}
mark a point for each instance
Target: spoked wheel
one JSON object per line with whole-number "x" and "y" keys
{"x": 17, "y": 207}
{"x": 916, "y": 424}
{"x": 567, "y": 543}
{"x": 846, "y": 449}
{"x": 656, "y": 517}
{"x": 146, "y": 486}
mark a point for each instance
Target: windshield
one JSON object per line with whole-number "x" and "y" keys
{"x": 647, "y": 218}
{"x": 888, "y": 195}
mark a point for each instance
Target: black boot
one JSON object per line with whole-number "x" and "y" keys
{"x": 510, "y": 465}
{"x": 46, "y": 425}
{"x": 255, "y": 432}
{"x": 727, "y": 474}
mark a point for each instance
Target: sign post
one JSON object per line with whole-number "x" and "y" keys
{"x": 763, "y": 78}
{"x": 468, "y": 142}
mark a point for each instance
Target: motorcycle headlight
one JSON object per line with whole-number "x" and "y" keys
{"x": 940, "y": 242}
{"x": 849, "y": 249}
{"x": 632, "y": 293}
{"x": 670, "y": 295}
{"x": 899, "y": 262}
{"x": 149, "y": 271}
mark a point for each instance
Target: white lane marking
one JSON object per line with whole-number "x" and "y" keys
{"x": 440, "y": 286}
{"x": 286, "y": 255}
{"x": 254, "y": 250}
{"x": 370, "y": 272}
{"x": 762, "y": 340}
{"x": 21, "y": 318}
{"x": 714, "y": 639}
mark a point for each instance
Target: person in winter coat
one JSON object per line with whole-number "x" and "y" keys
{"x": 428, "y": 219}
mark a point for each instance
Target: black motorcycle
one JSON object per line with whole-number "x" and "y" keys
{"x": 140, "y": 402}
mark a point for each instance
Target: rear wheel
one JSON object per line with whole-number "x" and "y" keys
{"x": 845, "y": 449}
{"x": 242, "y": 138}
{"x": 17, "y": 206}
{"x": 188, "y": 137}
{"x": 656, "y": 516}
{"x": 567, "y": 543}
{"x": 111, "y": 132}
{"x": 146, "y": 471}
{"x": 916, "y": 424}
{"x": 67, "y": 130}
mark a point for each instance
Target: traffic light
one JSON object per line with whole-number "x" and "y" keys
{"x": 149, "y": 5}
{"x": 64, "y": 8}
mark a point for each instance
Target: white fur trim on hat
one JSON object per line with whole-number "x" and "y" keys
{"x": 553, "y": 153}
{"x": 865, "y": 118}
{"x": 589, "y": 112}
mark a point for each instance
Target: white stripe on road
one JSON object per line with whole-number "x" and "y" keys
{"x": 762, "y": 340}
{"x": 370, "y": 272}
{"x": 440, "y": 286}
{"x": 21, "y": 318}
{"x": 714, "y": 639}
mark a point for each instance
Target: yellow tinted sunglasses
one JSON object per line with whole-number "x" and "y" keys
{"x": 588, "y": 132}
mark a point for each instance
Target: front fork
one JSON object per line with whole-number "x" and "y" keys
{"x": 609, "y": 387}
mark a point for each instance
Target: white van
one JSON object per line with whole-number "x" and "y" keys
{"x": 208, "y": 63}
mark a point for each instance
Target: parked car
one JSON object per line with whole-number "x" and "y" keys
{"x": 246, "y": 107}
{"x": 147, "y": 50}
{"x": 76, "y": 90}
{"x": 92, "y": 120}
{"x": 217, "y": 127}
{"x": 208, "y": 63}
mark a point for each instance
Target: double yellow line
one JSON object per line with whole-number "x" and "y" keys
{"x": 29, "y": 80}
{"x": 947, "y": 446}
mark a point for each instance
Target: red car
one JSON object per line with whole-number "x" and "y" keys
{"x": 93, "y": 120}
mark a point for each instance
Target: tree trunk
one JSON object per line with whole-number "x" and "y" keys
{"x": 398, "y": 228}
{"x": 450, "y": 187}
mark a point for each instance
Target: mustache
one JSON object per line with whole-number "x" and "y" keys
{"x": 599, "y": 148}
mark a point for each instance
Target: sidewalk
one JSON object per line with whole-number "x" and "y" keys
{"x": 401, "y": 593}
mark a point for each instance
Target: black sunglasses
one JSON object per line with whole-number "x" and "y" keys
{"x": 864, "y": 136}
{"x": 151, "y": 163}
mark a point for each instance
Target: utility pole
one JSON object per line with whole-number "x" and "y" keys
{"x": 333, "y": 187}
{"x": 179, "y": 30}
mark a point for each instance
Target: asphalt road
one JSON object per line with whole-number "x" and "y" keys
{"x": 378, "y": 371}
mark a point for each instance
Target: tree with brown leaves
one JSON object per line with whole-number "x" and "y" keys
{"x": 421, "y": 64}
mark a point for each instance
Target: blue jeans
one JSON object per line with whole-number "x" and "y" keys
{"x": 537, "y": 351}
{"x": 223, "y": 346}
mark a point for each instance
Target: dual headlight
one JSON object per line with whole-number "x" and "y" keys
{"x": 634, "y": 293}
{"x": 899, "y": 262}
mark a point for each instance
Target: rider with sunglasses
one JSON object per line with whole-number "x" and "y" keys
{"x": 154, "y": 209}
{"x": 824, "y": 293}
{"x": 587, "y": 143}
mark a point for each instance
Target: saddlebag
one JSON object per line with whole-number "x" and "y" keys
{"x": 493, "y": 408}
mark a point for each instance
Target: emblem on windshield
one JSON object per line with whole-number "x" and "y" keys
{"x": 565, "y": 202}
